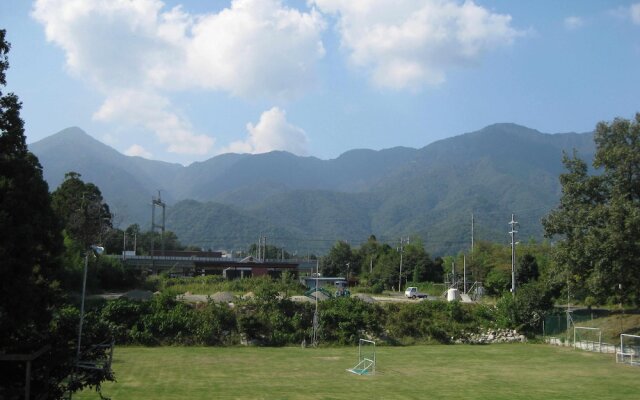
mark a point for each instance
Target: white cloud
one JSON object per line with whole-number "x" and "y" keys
{"x": 252, "y": 48}
{"x": 410, "y": 43}
{"x": 635, "y": 13}
{"x": 137, "y": 150}
{"x": 154, "y": 112}
{"x": 272, "y": 132}
{"x": 573, "y": 22}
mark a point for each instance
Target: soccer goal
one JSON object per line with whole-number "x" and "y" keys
{"x": 629, "y": 351}
{"x": 366, "y": 358}
{"x": 587, "y": 338}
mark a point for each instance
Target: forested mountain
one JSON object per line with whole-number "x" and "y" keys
{"x": 306, "y": 204}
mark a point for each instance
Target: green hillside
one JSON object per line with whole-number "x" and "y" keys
{"x": 304, "y": 202}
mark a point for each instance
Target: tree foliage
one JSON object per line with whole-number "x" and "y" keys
{"x": 598, "y": 219}
{"x": 527, "y": 269}
{"x": 30, "y": 242}
{"x": 82, "y": 210}
{"x": 377, "y": 265}
{"x": 340, "y": 261}
{"x": 33, "y": 313}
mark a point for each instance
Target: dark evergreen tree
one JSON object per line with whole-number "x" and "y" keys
{"x": 527, "y": 269}
{"x": 30, "y": 243}
{"x": 32, "y": 311}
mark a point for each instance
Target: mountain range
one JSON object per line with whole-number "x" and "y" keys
{"x": 306, "y": 204}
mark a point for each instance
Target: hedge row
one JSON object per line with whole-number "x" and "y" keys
{"x": 270, "y": 321}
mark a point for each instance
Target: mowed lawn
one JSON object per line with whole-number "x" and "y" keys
{"x": 510, "y": 371}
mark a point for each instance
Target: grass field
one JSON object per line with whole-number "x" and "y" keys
{"x": 515, "y": 371}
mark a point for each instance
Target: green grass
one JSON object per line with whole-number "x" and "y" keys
{"x": 517, "y": 371}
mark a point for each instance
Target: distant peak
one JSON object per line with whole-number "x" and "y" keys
{"x": 509, "y": 126}
{"x": 72, "y": 130}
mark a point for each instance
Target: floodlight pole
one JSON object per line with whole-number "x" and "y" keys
{"x": 513, "y": 232}
{"x": 401, "y": 249}
{"x": 90, "y": 250}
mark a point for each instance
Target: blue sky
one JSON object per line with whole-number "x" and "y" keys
{"x": 183, "y": 81}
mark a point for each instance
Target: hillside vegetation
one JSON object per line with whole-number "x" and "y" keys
{"x": 305, "y": 204}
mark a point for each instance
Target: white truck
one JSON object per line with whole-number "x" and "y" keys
{"x": 412, "y": 293}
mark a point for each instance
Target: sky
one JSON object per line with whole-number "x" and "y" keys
{"x": 183, "y": 81}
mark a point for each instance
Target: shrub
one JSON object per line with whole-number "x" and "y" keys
{"x": 526, "y": 310}
{"x": 497, "y": 282}
{"x": 345, "y": 320}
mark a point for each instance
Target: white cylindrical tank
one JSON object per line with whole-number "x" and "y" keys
{"x": 452, "y": 294}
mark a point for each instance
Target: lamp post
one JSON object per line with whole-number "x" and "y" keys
{"x": 93, "y": 249}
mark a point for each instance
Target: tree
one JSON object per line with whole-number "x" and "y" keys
{"x": 527, "y": 269}
{"x": 30, "y": 243}
{"x": 31, "y": 304}
{"x": 84, "y": 214}
{"x": 419, "y": 266}
{"x": 340, "y": 261}
{"x": 598, "y": 218}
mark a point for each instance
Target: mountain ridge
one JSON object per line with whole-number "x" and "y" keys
{"x": 429, "y": 191}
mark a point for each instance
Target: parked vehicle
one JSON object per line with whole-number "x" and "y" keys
{"x": 412, "y": 293}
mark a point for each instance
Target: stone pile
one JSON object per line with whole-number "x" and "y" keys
{"x": 491, "y": 336}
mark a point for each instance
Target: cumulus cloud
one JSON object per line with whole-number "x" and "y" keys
{"x": 572, "y": 23}
{"x": 137, "y": 150}
{"x": 252, "y": 48}
{"x": 272, "y": 132}
{"x": 635, "y": 13}
{"x": 155, "y": 113}
{"x": 410, "y": 43}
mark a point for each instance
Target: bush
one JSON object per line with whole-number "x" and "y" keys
{"x": 345, "y": 320}
{"x": 526, "y": 310}
{"x": 217, "y": 324}
{"x": 497, "y": 282}
{"x": 435, "y": 321}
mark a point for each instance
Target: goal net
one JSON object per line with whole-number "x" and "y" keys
{"x": 629, "y": 351}
{"x": 366, "y": 358}
{"x": 587, "y": 338}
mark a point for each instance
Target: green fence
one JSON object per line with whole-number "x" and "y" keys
{"x": 555, "y": 324}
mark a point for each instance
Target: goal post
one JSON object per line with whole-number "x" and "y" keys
{"x": 587, "y": 338}
{"x": 629, "y": 351}
{"x": 366, "y": 358}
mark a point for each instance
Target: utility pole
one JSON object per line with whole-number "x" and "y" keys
{"x": 464, "y": 274}
{"x": 316, "y": 321}
{"x": 514, "y": 225}
{"x": 262, "y": 248}
{"x": 156, "y": 202}
{"x": 402, "y": 242}
{"x": 472, "y": 221}
{"x": 264, "y": 251}
{"x": 453, "y": 275}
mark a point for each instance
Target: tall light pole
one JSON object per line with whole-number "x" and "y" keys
{"x": 513, "y": 232}
{"x": 402, "y": 242}
{"x": 91, "y": 250}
